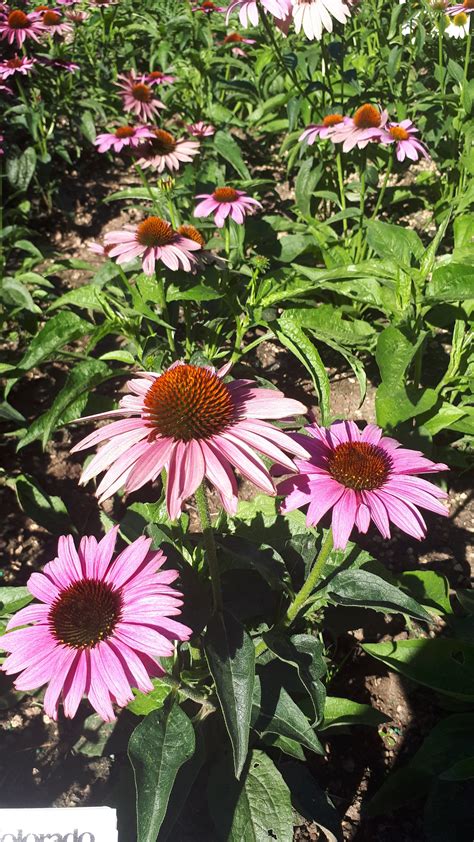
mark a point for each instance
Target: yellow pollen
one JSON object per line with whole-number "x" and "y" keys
{"x": 367, "y": 117}
{"x": 460, "y": 19}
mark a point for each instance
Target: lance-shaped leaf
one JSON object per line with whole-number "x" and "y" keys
{"x": 230, "y": 654}
{"x": 275, "y": 712}
{"x": 366, "y": 590}
{"x": 157, "y": 749}
{"x": 306, "y": 654}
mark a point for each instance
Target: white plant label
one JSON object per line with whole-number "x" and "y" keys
{"x": 58, "y": 824}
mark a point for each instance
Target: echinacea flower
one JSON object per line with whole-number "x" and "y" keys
{"x": 4, "y": 89}
{"x": 407, "y": 145}
{"x": 130, "y": 136}
{"x": 365, "y": 126}
{"x": 467, "y": 8}
{"x": 54, "y": 23}
{"x": 234, "y": 38}
{"x": 314, "y": 16}
{"x": 61, "y": 64}
{"x": 2, "y": 138}
{"x": 458, "y": 25}
{"x": 153, "y": 240}
{"x": 208, "y": 7}
{"x": 99, "y": 625}
{"x": 19, "y": 25}
{"x": 76, "y": 16}
{"x": 249, "y": 10}
{"x": 162, "y": 151}
{"x": 157, "y": 77}
{"x": 362, "y": 476}
{"x": 201, "y": 129}
{"x": 137, "y": 96}
{"x": 322, "y": 129}
{"x": 98, "y": 248}
{"x": 224, "y": 202}
{"x": 203, "y": 257}
{"x": 191, "y": 422}
{"x": 16, "y": 64}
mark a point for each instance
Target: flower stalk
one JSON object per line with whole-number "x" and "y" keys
{"x": 210, "y": 545}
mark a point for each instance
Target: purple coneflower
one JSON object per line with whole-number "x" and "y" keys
{"x": 361, "y": 476}
{"x": 315, "y": 16}
{"x": 365, "y": 126}
{"x": 322, "y": 130}
{"x": 406, "y": 144}
{"x": 203, "y": 257}
{"x": 191, "y": 422}
{"x": 16, "y": 64}
{"x": 130, "y": 136}
{"x": 137, "y": 96}
{"x": 201, "y": 129}
{"x": 162, "y": 151}
{"x": 99, "y": 625}
{"x": 153, "y": 240}
{"x": 224, "y": 202}
{"x": 20, "y": 25}
{"x": 208, "y": 7}
{"x": 157, "y": 77}
{"x": 54, "y": 23}
{"x": 249, "y": 10}
{"x": 467, "y": 8}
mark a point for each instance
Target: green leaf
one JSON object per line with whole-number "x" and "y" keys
{"x": 394, "y": 354}
{"x": 448, "y": 811}
{"x": 305, "y": 185}
{"x": 88, "y": 297}
{"x": 394, "y": 406}
{"x": 144, "y": 703}
{"x": 230, "y": 654}
{"x": 49, "y": 512}
{"x": 58, "y": 331}
{"x": 95, "y": 736}
{"x": 343, "y": 712}
{"x": 9, "y": 413}
{"x": 200, "y": 292}
{"x": 306, "y": 654}
{"x": 20, "y": 170}
{"x": 15, "y": 293}
{"x": 284, "y": 744}
{"x": 445, "y": 665}
{"x": 311, "y": 801}
{"x": 462, "y": 770}
{"x": 12, "y": 599}
{"x": 88, "y": 126}
{"x": 429, "y": 588}
{"x": 394, "y": 241}
{"x": 182, "y": 785}
{"x": 157, "y": 749}
{"x": 229, "y": 149}
{"x": 366, "y": 590}
{"x": 294, "y": 338}
{"x": 452, "y": 282}
{"x": 256, "y": 809}
{"x": 275, "y": 712}
{"x": 82, "y": 378}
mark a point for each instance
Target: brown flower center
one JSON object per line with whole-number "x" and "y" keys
{"x": 460, "y": 19}
{"x": 124, "y": 131}
{"x": 233, "y": 38}
{"x": 359, "y": 465}
{"x": 468, "y": 4}
{"x": 188, "y": 402}
{"x": 154, "y": 231}
{"x": 332, "y": 119}
{"x": 162, "y": 143}
{"x": 18, "y": 20}
{"x": 51, "y": 18}
{"x": 85, "y": 613}
{"x": 225, "y": 194}
{"x": 192, "y": 233}
{"x": 399, "y": 133}
{"x": 14, "y": 62}
{"x": 155, "y": 74}
{"x": 142, "y": 92}
{"x": 367, "y": 117}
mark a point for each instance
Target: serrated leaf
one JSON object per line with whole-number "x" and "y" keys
{"x": 144, "y": 703}
{"x": 58, "y": 331}
{"x": 83, "y": 377}
{"x": 158, "y": 748}
{"x": 306, "y": 654}
{"x": 366, "y": 590}
{"x": 275, "y": 712}
{"x": 230, "y": 654}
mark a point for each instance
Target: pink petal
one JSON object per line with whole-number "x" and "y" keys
{"x": 75, "y": 684}
{"x": 62, "y": 665}
{"x": 127, "y": 562}
{"x": 42, "y": 588}
{"x": 343, "y": 518}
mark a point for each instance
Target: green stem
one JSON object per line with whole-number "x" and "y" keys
{"x": 164, "y": 311}
{"x": 145, "y": 183}
{"x": 210, "y": 545}
{"x": 312, "y": 579}
{"x": 361, "y": 210}
{"x": 440, "y": 55}
{"x": 467, "y": 58}
{"x": 340, "y": 179}
{"x": 188, "y": 691}
{"x": 384, "y": 187}
{"x": 286, "y": 70}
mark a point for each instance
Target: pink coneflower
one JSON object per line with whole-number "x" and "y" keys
{"x": 99, "y": 625}
{"x": 234, "y": 38}
{"x": 196, "y": 426}
{"x": 208, "y": 7}
{"x": 98, "y": 248}
{"x": 201, "y": 129}
{"x": 153, "y": 240}
{"x": 122, "y": 136}
{"x": 224, "y": 202}
{"x": 76, "y": 16}
{"x": 203, "y": 257}
{"x": 54, "y": 23}
{"x": 366, "y": 125}
{"x": 61, "y": 64}
{"x": 362, "y": 476}
{"x": 14, "y": 65}
{"x": 163, "y": 151}
{"x": 5, "y": 89}
{"x": 2, "y": 138}
{"x": 137, "y": 96}
{"x": 314, "y": 16}
{"x": 157, "y": 77}
{"x": 467, "y": 7}
{"x": 322, "y": 130}
{"x": 18, "y": 26}
{"x": 249, "y": 10}
{"x": 407, "y": 145}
